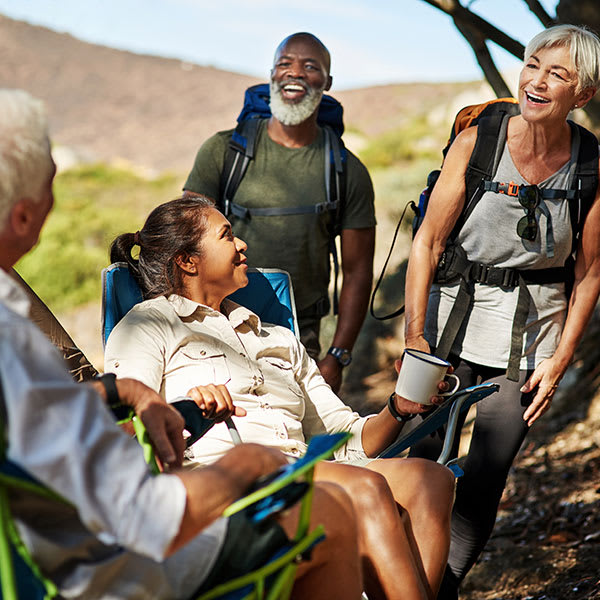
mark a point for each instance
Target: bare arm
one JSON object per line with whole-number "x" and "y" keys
{"x": 358, "y": 246}
{"x": 383, "y": 429}
{"x": 583, "y": 300}
{"x": 445, "y": 206}
{"x": 211, "y": 489}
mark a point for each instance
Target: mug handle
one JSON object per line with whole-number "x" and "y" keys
{"x": 456, "y": 386}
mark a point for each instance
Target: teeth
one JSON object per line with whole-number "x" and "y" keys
{"x": 535, "y": 98}
{"x": 293, "y": 87}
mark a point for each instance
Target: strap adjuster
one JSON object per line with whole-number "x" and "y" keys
{"x": 513, "y": 189}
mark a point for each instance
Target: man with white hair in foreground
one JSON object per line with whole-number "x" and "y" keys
{"x": 123, "y": 533}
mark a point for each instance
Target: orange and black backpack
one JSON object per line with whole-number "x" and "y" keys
{"x": 491, "y": 119}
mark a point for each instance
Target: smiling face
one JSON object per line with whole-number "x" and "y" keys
{"x": 221, "y": 266}
{"x": 548, "y": 86}
{"x": 299, "y": 77}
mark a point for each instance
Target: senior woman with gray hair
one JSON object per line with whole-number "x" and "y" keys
{"x": 526, "y": 227}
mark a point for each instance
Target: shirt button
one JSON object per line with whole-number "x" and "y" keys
{"x": 280, "y": 434}
{"x": 242, "y": 355}
{"x": 295, "y": 451}
{"x": 202, "y": 352}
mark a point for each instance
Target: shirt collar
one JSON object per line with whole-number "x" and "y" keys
{"x": 13, "y": 295}
{"x": 237, "y": 314}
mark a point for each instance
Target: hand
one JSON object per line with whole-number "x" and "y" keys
{"x": 163, "y": 423}
{"x": 443, "y": 386}
{"x": 545, "y": 377}
{"x": 417, "y": 343}
{"x": 332, "y": 372}
{"x": 215, "y": 402}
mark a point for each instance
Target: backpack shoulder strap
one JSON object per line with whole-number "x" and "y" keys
{"x": 336, "y": 158}
{"x": 585, "y": 180}
{"x": 239, "y": 153}
{"x": 491, "y": 136}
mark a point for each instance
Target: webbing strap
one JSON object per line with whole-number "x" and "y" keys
{"x": 512, "y": 189}
{"x": 516, "y": 340}
{"x": 243, "y": 212}
{"x": 462, "y": 304}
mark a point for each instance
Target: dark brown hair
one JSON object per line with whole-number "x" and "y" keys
{"x": 173, "y": 229}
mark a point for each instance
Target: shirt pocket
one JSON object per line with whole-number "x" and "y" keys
{"x": 280, "y": 378}
{"x": 199, "y": 364}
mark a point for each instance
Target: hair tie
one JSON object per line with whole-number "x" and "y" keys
{"x": 136, "y": 238}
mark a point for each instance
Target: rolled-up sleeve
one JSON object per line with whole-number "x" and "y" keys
{"x": 136, "y": 347}
{"x": 325, "y": 412}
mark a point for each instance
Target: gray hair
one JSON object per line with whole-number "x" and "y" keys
{"x": 25, "y": 159}
{"x": 584, "y": 46}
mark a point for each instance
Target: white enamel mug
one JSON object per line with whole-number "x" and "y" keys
{"x": 420, "y": 375}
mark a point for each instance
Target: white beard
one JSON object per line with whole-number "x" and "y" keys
{"x": 293, "y": 114}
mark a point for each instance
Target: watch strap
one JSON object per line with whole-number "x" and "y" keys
{"x": 342, "y": 355}
{"x": 394, "y": 411}
{"x": 108, "y": 380}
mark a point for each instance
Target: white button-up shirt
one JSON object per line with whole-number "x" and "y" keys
{"x": 112, "y": 541}
{"x": 175, "y": 344}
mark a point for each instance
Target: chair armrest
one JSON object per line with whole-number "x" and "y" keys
{"x": 458, "y": 403}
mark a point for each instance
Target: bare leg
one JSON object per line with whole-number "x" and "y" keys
{"x": 425, "y": 492}
{"x": 390, "y": 565}
{"x": 333, "y": 572}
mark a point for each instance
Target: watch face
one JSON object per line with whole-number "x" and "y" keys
{"x": 343, "y": 356}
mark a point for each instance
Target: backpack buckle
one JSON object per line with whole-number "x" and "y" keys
{"x": 513, "y": 189}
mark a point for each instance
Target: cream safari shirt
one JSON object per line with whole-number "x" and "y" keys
{"x": 175, "y": 344}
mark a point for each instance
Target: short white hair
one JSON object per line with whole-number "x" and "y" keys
{"x": 25, "y": 160}
{"x": 584, "y": 47}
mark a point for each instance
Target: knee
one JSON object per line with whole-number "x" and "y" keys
{"x": 433, "y": 486}
{"x": 332, "y": 507}
{"x": 371, "y": 492}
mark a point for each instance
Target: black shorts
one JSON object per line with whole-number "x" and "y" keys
{"x": 247, "y": 547}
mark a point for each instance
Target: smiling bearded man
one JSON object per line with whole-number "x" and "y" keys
{"x": 286, "y": 172}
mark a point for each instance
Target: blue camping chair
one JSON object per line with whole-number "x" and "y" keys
{"x": 269, "y": 294}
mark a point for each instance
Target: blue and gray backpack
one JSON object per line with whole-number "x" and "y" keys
{"x": 241, "y": 149}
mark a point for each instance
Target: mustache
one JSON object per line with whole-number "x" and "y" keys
{"x": 296, "y": 81}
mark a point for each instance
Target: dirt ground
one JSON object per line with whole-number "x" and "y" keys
{"x": 546, "y": 543}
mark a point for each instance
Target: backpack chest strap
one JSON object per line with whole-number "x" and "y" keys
{"x": 512, "y": 189}
{"x": 245, "y": 213}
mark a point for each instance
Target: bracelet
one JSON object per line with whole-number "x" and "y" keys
{"x": 108, "y": 380}
{"x": 393, "y": 410}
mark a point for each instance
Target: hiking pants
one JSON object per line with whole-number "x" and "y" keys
{"x": 498, "y": 433}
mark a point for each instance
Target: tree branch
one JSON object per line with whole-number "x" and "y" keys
{"x": 484, "y": 58}
{"x": 463, "y": 15}
{"x": 538, "y": 10}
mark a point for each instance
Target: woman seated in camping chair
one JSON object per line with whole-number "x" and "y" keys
{"x": 187, "y": 339}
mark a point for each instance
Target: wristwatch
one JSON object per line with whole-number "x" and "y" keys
{"x": 393, "y": 410}
{"x": 343, "y": 356}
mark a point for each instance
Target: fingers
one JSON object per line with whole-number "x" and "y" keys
{"x": 540, "y": 404}
{"x": 531, "y": 383}
{"x": 408, "y": 407}
{"x": 238, "y": 411}
{"x": 165, "y": 428}
{"x": 214, "y": 401}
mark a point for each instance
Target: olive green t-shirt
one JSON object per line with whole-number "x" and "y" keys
{"x": 280, "y": 176}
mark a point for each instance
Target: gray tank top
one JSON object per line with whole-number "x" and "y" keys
{"x": 490, "y": 236}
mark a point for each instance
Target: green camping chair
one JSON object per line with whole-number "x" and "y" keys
{"x": 21, "y": 578}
